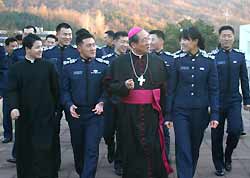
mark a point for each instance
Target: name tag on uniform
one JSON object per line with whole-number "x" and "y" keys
{"x": 166, "y": 63}
{"x": 185, "y": 67}
{"x": 221, "y": 62}
{"x": 77, "y": 73}
{"x": 95, "y": 72}
{"x": 202, "y": 68}
{"x": 235, "y": 62}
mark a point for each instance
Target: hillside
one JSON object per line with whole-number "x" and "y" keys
{"x": 99, "y": 15}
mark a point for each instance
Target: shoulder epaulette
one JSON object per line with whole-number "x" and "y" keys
{"x": 180, "y": 55}
{"x": 102, "y": 61}
{"x": 73, "y": 46}
{"x": 48, "y": 48}
{"x": 107, "y": 55}
{"x": 206, "y": 55}
{"x": 51, "y": 48}
{"x": 203, "y": 53}
{"x": 19, "y": 47}
{"x": 177, "y": 52}
{"x": 168, "y": 53}
{"x": 69, "y": 61}
{"x": 213, "y": 52}
{"x": 238, "y": 51}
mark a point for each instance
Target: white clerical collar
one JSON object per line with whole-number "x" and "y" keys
{"x": 140, "y": 56}
{"x": 31, "y": 60}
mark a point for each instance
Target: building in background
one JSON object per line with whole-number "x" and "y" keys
{"x": 244, "y": 41}
{"x": 4, "y": 34}
{"x": 244, "y": 44}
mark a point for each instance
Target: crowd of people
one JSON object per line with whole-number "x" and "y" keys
{"x": 129, "y": 92}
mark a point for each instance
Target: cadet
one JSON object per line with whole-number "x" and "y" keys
{"x": 59, "y": 55}
{"x": 6, "y": 61}
{"x": 83, "y": 98}
{"x": 195, "y": 89}
{"x": 50, "y": 41}
{"x": 112, "y": 124}
{"x": 231, "y": 66}
{"x": 19, "y": 54}
{"x": 19, "y": 38}
{"x": 109, "y": 48}
{"x": 156, "y": 46}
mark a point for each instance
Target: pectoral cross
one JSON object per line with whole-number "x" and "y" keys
{"x": 141, "y": 80}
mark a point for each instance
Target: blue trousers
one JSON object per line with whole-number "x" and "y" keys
{"x": 189, "y": 127}
{"x": 86, "y": 133}
{"x": 167, "y": 141}
{"x": 112, "y": 133}
{"x": 7, "y": 122}
{"x": 234, "y": 127}
{"x": 13, "y": 153}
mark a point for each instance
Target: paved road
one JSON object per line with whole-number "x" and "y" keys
{"x": 241, "y": 158}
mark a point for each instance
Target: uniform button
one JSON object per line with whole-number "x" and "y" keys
{"x": 193, "y": 60}
{"x": 193, "y": 67}
{"x": 192, "y": 94}
{"x": 192, "y": 76}
{"x": 192, "y": 85}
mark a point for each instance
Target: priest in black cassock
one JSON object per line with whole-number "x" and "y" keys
{"x": 33, "y": 95}
{"x": 139, "y": 79}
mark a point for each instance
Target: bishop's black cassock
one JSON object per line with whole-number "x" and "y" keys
{"x": 139, "y": 123}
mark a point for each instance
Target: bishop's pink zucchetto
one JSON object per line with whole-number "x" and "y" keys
{"x": 133, "y": 31}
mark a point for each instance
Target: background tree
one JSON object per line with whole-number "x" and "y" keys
{"x": 173, "y": 31}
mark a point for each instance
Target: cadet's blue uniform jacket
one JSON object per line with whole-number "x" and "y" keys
{"x": 60, "y": 56}
{"x": 195, "y": 82}
{"x": 104, "y": 51}
{"x": 109, "y": 58}
{"x": 4, "y": 68}
{"x": 231, "y": 67}
{"x": 18, "y": 55}
{"x": 82, "y": 83}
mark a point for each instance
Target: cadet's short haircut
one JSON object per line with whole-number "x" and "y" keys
{"x": 226, "y": 27}
{"x": 110, "y": 33}
{"x": 19, "y": 37}
{"x": 62, "y": 25}
{"x": 51, "y": 36}
{"x": 81, "y": 31}
{"x": 120, "y": 34}
{"x": 30, "y": 39}
{"x": 30, "y": 26}
{"x": 10, "y": 40}
{"x": 82, "y": 36}
{"x": 158, "y": 33}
